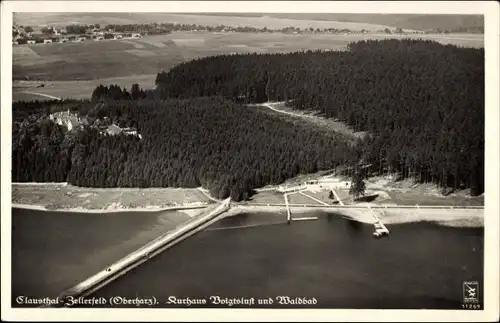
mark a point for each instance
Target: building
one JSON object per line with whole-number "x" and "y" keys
{"x": 47, "y": 41}
{"x": 113, "y": 130}
{"x": 31, "y": 42}
{"x": 132, "y": 132}
{"x": 66, "y": 119}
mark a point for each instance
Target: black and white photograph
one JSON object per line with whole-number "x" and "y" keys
{"x": 300, "y": 159}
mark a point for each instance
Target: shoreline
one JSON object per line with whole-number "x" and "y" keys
{"x": 450, "y": 218}
{"x": 152, "y": 208}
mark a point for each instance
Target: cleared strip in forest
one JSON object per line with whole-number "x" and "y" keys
{"x": 328, "y": 124}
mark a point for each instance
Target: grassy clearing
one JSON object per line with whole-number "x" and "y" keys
{"x": 69, "y": 197}
{"x": 410, "y": 198}
{"x": 314, "y": 119}
{"x": 76, "y": 89}
{"x": 269, "y": 197}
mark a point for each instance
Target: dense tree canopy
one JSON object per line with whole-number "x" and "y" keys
{"x": 210, "y": 142}
{"x": 421, "y": 101}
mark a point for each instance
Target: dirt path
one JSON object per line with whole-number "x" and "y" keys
{"x": 268, "y": 105}
{"x": 328, "y": 124}
{"x": 41, "y": 94}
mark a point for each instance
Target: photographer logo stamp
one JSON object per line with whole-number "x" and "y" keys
{"x": 471, "y": 292}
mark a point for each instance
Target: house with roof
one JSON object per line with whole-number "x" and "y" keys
{"x": 67, "y": 119}
{"x": 113, "y": 130}
{"x": 132, "y": 132}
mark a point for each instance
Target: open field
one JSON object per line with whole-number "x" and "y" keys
{"x": 92, "y": 60}
{"x": 413, "y": 21}
{"x": 75, "y": 89}
{"x": 70, "y": 197}
{"x": 271, "y": 22}
{"x": 407, "y": 192}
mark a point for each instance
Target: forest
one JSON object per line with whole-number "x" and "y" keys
{"x": 422, "y": 102}
{"x": 210, "y": 142}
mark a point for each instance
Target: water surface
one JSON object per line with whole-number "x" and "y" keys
{"x": 333, "y": 260}
{"x": 53, "y": 251}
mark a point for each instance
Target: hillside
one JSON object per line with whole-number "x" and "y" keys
{"x": 427, "y": 22}
{"x": 209, "y": 142}
{"x": 431, "y": 22}
{"x": 191, "y": 18}
{"x": 149, "y": 55}
{"x": 422, "y": 102}
{"x": 434, "y": 22}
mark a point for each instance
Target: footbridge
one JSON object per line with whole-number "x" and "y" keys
{"x": 145, "y": 253}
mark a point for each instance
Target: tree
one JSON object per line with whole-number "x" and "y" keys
{"x": 47, "y": 30}
{"x": 387, "y": 31}
{"x": 358, "y": 185}
{"x": 97, "y": 26}
{"x": 135, "y": 91}
{"x": 28, "y": 29}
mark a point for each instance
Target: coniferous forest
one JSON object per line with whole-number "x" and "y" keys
{"x": 209, "y": 142}
{"x": 421, "y": 101}
{"x": 422, "y": 104}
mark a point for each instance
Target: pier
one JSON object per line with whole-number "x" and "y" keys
{"x": 380, "y": 229}
{"x": 288, "y": 212}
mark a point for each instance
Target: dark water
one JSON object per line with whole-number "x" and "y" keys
{"x": 53, "y": 251}
{"x": 335, "y": 261}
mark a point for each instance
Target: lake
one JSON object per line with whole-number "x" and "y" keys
{"x": 334, "y": 261}
{"x": 53, "y": 251}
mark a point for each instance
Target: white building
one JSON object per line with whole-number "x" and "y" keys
{"x": 71, "y": 121}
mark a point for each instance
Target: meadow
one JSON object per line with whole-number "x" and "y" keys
{"x": 74, "y": 69}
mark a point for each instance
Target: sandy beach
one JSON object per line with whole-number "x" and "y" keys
{"x": 61, "y": 196}
{"x": 471, "y": 218}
